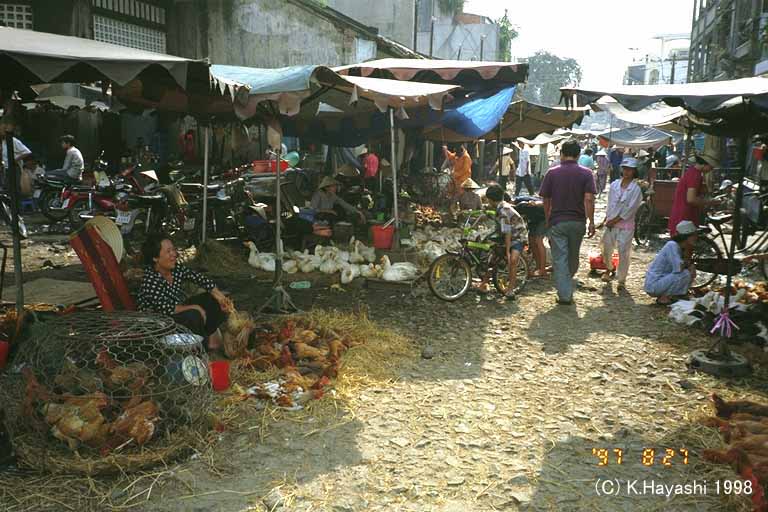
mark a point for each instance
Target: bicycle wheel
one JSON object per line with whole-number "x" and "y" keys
{"x": 706, "y": 252}
{"x": 501, "y": 275}
{"x": 449, "y": 277}
{"x": 643, "y": 225}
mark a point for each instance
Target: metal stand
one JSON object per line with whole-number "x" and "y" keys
{"x": 280, "y": 301}
{"x": 719, "y": 360}
{"x": 396, "y": 237}
{"x": 205, "y": 184}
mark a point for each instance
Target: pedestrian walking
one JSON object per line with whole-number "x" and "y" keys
{"x": 616, "y": 156}
{"x": 624, "y": 199}
{"x": 523, "y": 173}
{"x": 603, "y": 169}
{"x": 569, "y": 203}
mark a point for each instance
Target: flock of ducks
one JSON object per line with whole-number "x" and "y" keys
{"x": 358, "y": 261}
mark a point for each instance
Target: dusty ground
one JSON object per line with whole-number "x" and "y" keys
{"x": 504, "y": 417}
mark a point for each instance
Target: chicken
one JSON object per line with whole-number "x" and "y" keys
{"x": 78, "y": 420}
{"x": 33, "y": 392}
{"x": 726, "y": 409}
{"x": 748, "y": 467}
{"x": 136, "y": 422}
{"x": 132, "y": 376}
{"x": 296, "y": 380}
{"x": 72, "y": 378}
{"x": 336, "y": 348}
{"x": 739, "y": 428}
{"x": 305, "y": 336}
{"x": 304, "y": 351}
{"x": 286, "y": 359}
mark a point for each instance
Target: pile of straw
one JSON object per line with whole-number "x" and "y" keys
{"x": 217, "y": 258}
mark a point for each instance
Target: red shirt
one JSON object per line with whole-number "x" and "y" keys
{"x": 681, "y": 209}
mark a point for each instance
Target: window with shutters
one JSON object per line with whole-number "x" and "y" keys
{"x": 131, "y": 23}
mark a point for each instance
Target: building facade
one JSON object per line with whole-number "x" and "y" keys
{"x": 257, "y": 33}
{"x": 672, "y": 69}
{"x": 393, "y": 18}
{"x": 728, "y": 39}
{"x": 456, "y": 36}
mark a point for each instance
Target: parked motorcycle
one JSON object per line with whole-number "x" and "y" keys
{"x": 5, "y": 213}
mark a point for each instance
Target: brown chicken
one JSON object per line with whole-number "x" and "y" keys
{"x": 738, "y": 428}
{"x": 131, "y": 376}
{"x": 304, "y": 351}
{"x": 336, "y": 348}
{"x": 136, "y": 422}
{"x": 726, "y": 409}
{"x": 33, "y": 391}
{"x": 748, "y": 467}
{"x": 305, "y": 336}
{"x": 78, "y": 420}
{"x": 72, "y": 378}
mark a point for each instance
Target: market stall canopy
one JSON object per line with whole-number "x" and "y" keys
{"x": 28, "y": 57}
{"x": 637, "y": 137}
{"x": 521, "y": 119}
{"x": 307, "y": 86}
{"x": 461, "y": 72}
{"x": 730, "y": 106}
{"x": 542, "y": 138}
{"x": 657, "y": 114}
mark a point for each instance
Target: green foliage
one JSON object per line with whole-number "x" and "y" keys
{"x": 451, "y": 6}
{"x": 507, "y": 32}
{"x": 547, "y": 73}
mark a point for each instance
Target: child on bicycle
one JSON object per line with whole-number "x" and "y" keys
{"x": 511, "y": 228}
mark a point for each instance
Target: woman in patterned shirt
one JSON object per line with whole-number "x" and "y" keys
{"x": 162, "y": 292}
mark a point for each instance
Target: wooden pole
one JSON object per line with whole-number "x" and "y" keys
{"x": 205, "y": 183}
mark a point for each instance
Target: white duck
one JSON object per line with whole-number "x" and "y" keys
{"x": 355, "y": 257}
{"x": 253, "y": 257}
{"x": 369, "y": 253}
{"x": 290, "y": 266}
{"x": 349, "y": 274}
{"x": 368, "y": 270}
{"x": 262, "y": 260}
{"x": 329, "y": 265}
{"x": 399, "y": 271}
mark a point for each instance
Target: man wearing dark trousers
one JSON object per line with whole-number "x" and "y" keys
{"x": 569, "y": 203}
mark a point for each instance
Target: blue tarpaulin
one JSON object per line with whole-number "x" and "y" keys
{"x": 473, "y": 117}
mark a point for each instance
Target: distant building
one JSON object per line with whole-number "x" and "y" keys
{"x": 728, "y": 39}
{"x": 461, "y": 36}
{"x": 672, "y": 68}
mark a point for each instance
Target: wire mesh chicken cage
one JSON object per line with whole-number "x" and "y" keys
{"x": 97, "y": 392}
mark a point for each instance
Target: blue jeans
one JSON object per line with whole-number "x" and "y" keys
{"x": 565, "y": 241}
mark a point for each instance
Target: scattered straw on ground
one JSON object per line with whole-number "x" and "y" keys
{"x": 218, "y": 259}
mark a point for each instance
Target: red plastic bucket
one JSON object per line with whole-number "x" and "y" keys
{"x": 382, "y": 237}
{"x": 596, "y": 261}
{"x": 219, "y": 375}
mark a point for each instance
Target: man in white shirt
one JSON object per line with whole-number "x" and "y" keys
{"x": 523, "y": 174}
{"x": 72, "y": 170}
{"x": 20, "y": 152}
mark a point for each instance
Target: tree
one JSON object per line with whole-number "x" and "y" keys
{"x": 507, "y": 32}
{"x": 451, "y": 7}
{"x": 547, "y": 73}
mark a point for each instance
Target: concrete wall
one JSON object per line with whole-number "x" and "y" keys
{"x": 449, "y": 37}
{"x": 261, "y": 33}
{"x": 393, "y": 18}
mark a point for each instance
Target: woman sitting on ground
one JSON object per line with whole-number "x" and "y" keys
{"x": 669, "y": 276}
{"x": 162, "y": 292}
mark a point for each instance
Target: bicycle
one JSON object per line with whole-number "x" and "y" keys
{"x": 709, "y": 259}
{"x": 450, "y": 275}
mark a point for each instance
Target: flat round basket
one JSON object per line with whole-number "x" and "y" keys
{"x": 98, "y": 393}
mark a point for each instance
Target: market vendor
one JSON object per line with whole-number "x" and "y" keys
{"x": 669, "y": 275}
{"x": 690, "y": 193}
{"x": 162, "y": 292}
{"x": 469, "y": 198}
{"x": 330, "y": 207}
{"x": 462, "y": 166}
